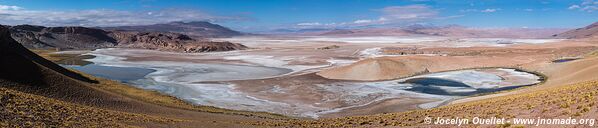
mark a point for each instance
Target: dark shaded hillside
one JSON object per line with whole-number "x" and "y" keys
{"x": 174, "y": 42}
{"x": 25, "y": 71}
{"x": 61, "y": 37}
{"x": 35, "y": 92}
{"x": 20, "y": 64}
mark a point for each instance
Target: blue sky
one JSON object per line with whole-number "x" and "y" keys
{"x": 258, "y": 15}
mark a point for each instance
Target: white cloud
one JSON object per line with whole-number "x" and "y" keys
{"x": 574, "y": 7}
{"x": 14, "y": 15}
{"x": 400, "y": 14}
{"x": 468, "y": 10}
{"x": 392, "y": 15}
{"x": 362, "y": 21}
{"x": 586, "y": 6}
{"x": 409, "y": 12}
{"x": 309, "y": 24}
{"x": 490, "y": 10}
{"x": 587, "y": 2}
{"x": 450, "y": 17}
{"x": 590, "y": 8}
{"x": 7, "y": 7}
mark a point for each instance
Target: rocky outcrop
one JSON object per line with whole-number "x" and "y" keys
{"x": 61, "y": 37}
{"x": 585, "y": 32}
{"x": 165, "y": 41}
{"x": 199, "y": 29}
{"x": 32, "y": 36}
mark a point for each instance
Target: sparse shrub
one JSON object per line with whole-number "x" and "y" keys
{"x": 577, "y": 114}
{"x": 505, "y": 125}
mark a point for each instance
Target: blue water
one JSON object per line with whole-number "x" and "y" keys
{"x": 439, "y": 86}
{"x": 564, "y": 60}
{"x": 122, "y": 74}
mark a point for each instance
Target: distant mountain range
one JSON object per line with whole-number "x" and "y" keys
{"x": 585, "y": 32}
{"x": 196, "y": 28}
{"x": 429, "y": 30}
{"x": 192, "y": 36}
{"x": 157, "y": 37}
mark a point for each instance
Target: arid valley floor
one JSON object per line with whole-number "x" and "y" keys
{"x": 195, "y": 73}
{"x": 332, "y": 83}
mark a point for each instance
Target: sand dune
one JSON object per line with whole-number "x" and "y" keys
{"x": 373, "y": 69}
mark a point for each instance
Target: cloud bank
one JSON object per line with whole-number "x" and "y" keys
{"x": 586, "y": 6}
{"x": 388, "y": 15}
{"x": 14, "y": 15}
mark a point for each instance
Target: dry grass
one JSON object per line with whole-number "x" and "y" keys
{"x": 47, "y": 53}
{"x": 18, "y": 109}
{"x": 577, "y": 100}
{"x": 165, "y": 100}
{"x": 592, "y": 54}
{"x": 69, "y": 59}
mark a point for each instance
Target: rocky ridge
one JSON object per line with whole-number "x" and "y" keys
{"x": 585, "y": 32}
{"x": 40, "y": 37}
{"x": 200, "y": 29}
{"x": 166, "y": 41}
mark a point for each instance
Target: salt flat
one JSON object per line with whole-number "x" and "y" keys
{"x": 214, "y": 84}
{"x": 282, "y": 74}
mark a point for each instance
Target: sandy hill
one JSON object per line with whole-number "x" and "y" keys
{"x": 570, "y": 92}
{"x": 585, "y": 32}
{"x": 374, "y": 69}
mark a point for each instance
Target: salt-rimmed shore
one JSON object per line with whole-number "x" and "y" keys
{"x": 201, "y": 84}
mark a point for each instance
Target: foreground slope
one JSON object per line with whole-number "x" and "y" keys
{"x": 31, "y": 85}
{"x": 35, "y": 92}
{"x": 576, "y": 101}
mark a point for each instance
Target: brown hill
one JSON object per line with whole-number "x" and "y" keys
{"x": 373, "y": 69}
{"x": 165, "y": 41}
{"x": 196, "y": 28}
{"x": 89, "y": 38}
{"x": 61, "y": 37}
{"x": 585, "y": 32}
